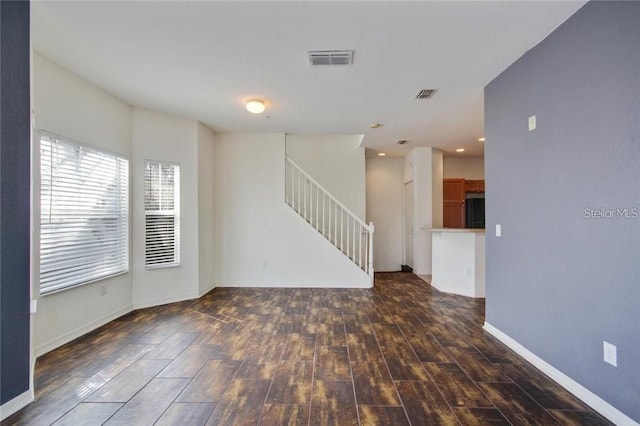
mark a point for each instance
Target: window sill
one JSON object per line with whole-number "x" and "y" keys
{"x": 162, "y": 266}
{"x": 71, "y": 287}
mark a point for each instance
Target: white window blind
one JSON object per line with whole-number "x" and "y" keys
{"x": 162, "y": 214}
{"x": 84, "y": 214}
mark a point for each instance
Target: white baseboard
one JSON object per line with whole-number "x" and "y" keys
{"x": 86, "y": 328}
{"x": 80, "y": 331}
{"x": 207, "y": 290}
{"x": 16, "y": 404}
{"x": 164, "y": 300}
{"x": 436, "y": 286}
{"x": 388, "y": 268}
{"x": 367, "y": 284}
{"x": 588, "y": 397}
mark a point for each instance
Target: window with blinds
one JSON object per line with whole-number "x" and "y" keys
{"x": 162, "y": 214}
{"x": 84, "y": 214}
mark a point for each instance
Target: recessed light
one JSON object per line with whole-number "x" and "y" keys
{"x": 255, "y": 106}
{"x": 460, "y": 150}
{"x": 382, "y": 154}
{"x": 375, "y": 125}
{"x": 481, "y": 139}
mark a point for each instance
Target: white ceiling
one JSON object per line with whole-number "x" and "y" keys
{"x": 202, "y": 60}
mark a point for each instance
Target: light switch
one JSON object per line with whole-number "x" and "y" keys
{"x": 610, "y": 354}
{"x": 498, "y": 230}
{"x": 532, "y": 123}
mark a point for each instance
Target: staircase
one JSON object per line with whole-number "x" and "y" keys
{"x": 347, "y": 232}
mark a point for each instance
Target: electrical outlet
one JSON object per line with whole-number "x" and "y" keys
{"x": 532, "y": 123}
{"x": 498, "y": 230}
{"x": 610, "y": 353}
{"x": 103, "y": 290}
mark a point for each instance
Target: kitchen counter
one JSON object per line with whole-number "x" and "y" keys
{"x": 458, "y": 261}
{"x": 457, "y": 230}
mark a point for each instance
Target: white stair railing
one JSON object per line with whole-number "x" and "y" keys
{"x": 351, "y": 235}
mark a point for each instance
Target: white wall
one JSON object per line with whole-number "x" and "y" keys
{"x": 162, "y": 137}
{"x": 337, "y": 162}
{"x": 69, "y": 106}
{"x": 437, "y": 172}
{"x": 423, "y": 167}
{"x": 206, "y": 181}
{"x": 463, "y": 167}
{"x": 384, "y": 208}
{"x": 260, "y": 241}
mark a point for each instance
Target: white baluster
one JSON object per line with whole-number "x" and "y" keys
{"x": 348, "y": 238}
{"x": 353, "y": 237}
{"x": 299, "y": 193}
{"x": 341, "y": 230}
{"x": 360, "y": 245}
{"x": 310, "y": 201}
{"x": 324, "y": 199}
{"x": 290, "y": 185}
{"x": 331, "y": 238}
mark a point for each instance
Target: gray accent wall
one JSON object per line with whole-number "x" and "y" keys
{"x": 15, "y": 148}
{"x": 560, "y": 280}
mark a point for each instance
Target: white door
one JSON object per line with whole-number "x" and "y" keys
{"x": 408, "y": 224}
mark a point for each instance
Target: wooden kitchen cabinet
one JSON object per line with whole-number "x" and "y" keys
{"x": 453, "y": 191}
{"x": 453, "y": 214}
{"x": 474, "y": 186}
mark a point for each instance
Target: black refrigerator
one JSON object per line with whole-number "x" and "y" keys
{"x": 474, "y": 213}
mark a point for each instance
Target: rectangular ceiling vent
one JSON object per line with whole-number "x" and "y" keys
{"x": 402, "y": 142}
{"x": 426, "y": 93}
{"x": 331, "y": 57}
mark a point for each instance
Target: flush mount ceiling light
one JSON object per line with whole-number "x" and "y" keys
{"x": 375, "y": 125}
{"x": 382, "y": 154}
{"x": 481, "y": 139}
{"x": 255, "y": 106}
{"x": 460, "y": 150}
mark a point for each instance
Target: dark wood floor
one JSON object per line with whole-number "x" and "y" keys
{"x": 401, "y": 353}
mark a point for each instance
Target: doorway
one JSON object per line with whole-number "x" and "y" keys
{"x": 408, "y": 227}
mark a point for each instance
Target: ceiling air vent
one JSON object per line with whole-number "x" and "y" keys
{"x": 402, "y": 142}
{"x": 426, "y": 93}
{"x": 331, "y": 57}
